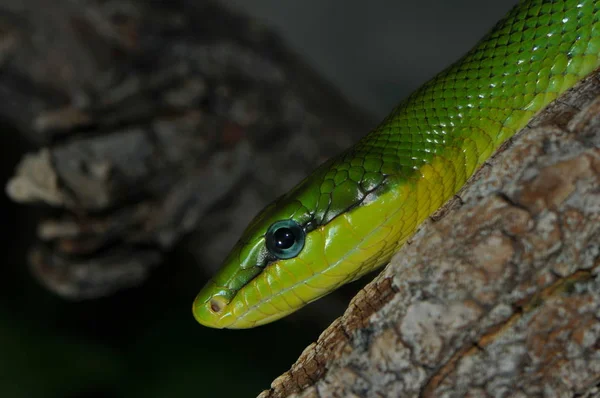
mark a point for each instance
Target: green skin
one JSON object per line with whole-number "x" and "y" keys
{"x": 358, "y": 208}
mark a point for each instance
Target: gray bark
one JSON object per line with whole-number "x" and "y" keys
{"x": 154, "y": 121}
{"x": 497, "y": 295}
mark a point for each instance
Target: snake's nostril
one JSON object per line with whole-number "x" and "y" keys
{"x": 216, "y": 305}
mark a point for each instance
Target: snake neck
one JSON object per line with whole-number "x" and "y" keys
{"x": 461, "y": 116}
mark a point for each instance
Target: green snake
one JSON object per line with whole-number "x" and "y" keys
{"x": 353, "y": 212}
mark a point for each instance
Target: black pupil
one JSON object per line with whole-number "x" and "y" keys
{"x": 284, "y": 238}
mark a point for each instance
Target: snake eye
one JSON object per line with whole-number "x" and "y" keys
{"x": 285, "y": 239}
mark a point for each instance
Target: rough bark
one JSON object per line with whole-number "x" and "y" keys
{"x": 150, "y": 117}
{"x": 497, "y": 295}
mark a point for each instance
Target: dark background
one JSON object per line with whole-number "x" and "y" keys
{"x": 144, "y": 341}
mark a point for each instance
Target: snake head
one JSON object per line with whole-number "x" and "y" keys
{"x": 310, "y": 241}
{"x": 245, "y": 291}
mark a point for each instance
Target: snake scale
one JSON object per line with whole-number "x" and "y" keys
{"x": 353, "y": 212}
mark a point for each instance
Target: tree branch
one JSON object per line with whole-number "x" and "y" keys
{"x": 498, "y": 294}
{"x": 151, "y": 117}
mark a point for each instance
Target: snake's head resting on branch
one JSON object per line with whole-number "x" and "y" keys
{"x": 349, "y": 216}
{"x": 298, "y": 249}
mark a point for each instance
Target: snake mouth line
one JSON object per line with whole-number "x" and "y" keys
{"x": 330, "y": 266}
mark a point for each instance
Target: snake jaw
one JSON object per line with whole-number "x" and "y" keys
{"x": 213, "y": 309}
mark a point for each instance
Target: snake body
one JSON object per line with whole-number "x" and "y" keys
{"x": 351, "y": 214}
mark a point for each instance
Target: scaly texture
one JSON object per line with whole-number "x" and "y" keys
{"x": 358, "y": 208}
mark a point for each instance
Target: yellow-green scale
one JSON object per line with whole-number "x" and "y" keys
{"x": 361, "y": 206}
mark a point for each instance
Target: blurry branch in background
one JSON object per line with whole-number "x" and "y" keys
{"x": 154, "y": 120}
{"x": 498, "y": 294}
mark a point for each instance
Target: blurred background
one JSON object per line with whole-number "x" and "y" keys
{"x": 141, "y": 339}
